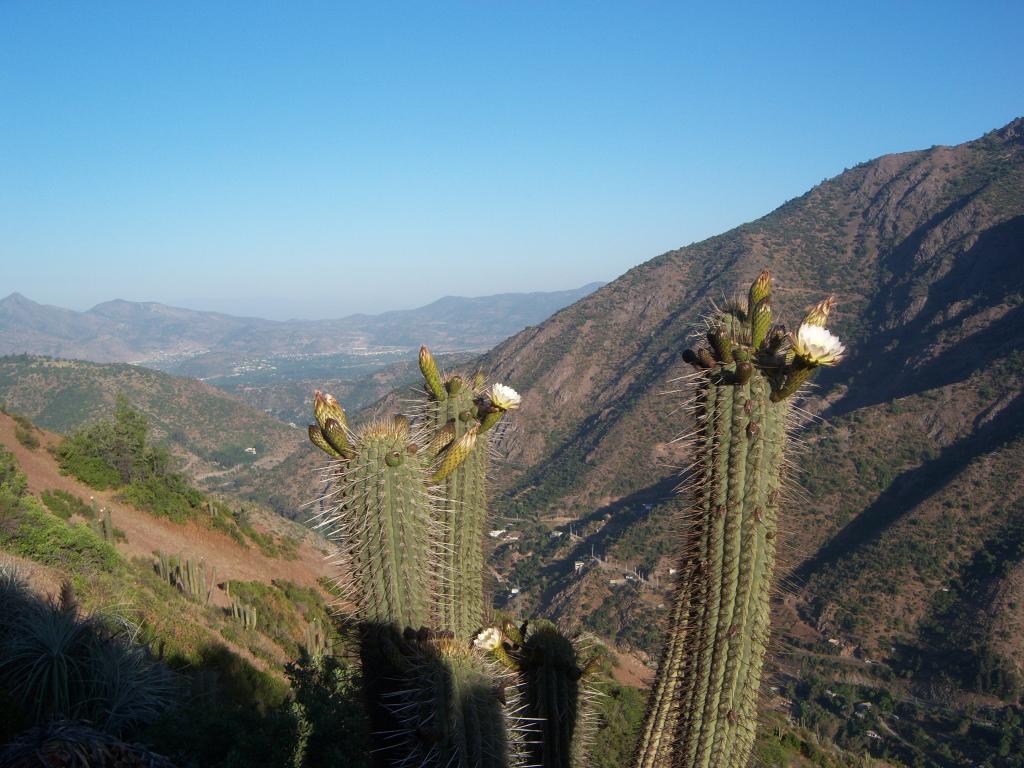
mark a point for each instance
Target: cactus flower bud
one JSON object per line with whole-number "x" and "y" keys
{"x": 317, "y": 438}
{"x": 456, "y": 454}
{"x": 819, "y": 312}
{"x": 326, "y": 406}
{"x": 760, "y": 289}
{"x": 431, "y": 376}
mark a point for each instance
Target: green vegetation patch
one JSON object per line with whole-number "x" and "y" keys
{"x": 11, "y": 477}
{"x": 118, "y": 453}
{"x": 64, "y": 505}
{"x": 283, "y": 610}
{"x": 26, "y": 529}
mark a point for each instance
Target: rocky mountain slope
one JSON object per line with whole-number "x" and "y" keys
{"x": 909, "y": 540}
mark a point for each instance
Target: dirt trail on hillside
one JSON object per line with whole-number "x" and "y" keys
{"x": 147, "y": 534}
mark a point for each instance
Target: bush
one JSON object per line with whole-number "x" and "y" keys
{"x": 26, "y": 438}
{"x": 167, "y": 496}
{"x": 26, "y": 529}
{"x": 64, "y": 505}
{"x": 332, "y": 724}
{"x": 91, "y": 470}
{"x": 11, "y": 478}
{"x": 114, "y": 452}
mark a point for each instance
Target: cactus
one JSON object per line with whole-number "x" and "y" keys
{"x": 163, "y": 566}
{"x": 382, "y": 517}
{"x": 315, "y": 640}
{"x": 458, "y": 417}
{"x": 409, "y": 512}
{"x": 552, "y": 668}
{"x": 455, "y": 707}
{"x": 244, "y": 613}
{"x": 188, "y": 576}
{"x": 107, "y": 527}
{"x": 702, "y": 707}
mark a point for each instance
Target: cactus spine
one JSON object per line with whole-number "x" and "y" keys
{"x": 702, "y": 709}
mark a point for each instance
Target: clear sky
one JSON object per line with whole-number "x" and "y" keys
{"x": 317, "y": 159}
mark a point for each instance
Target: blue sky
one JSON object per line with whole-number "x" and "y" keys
{"x": 317, "y": 159}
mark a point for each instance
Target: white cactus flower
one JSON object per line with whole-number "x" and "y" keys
{"x": 818, "y": 345}
{"x": 505, "y": 398}
{"x": 488, "y": 640}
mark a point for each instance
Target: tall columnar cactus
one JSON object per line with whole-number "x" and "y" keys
{"x": 702, "y": 707}
{"x": 382, "y": 517}
{"x": 458, "y": 416}
{"x": 408, "y": 510}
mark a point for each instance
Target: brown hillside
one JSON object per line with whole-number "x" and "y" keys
{"x": 914, "y": 476}
{"x": 147, "y": 534}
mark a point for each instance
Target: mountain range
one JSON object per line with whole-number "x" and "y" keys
{"x": 208, "y": 343}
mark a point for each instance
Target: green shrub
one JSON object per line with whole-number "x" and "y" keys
{"x": 332, "y": 725}
{"x": 26, "y": 437}
{"x": 64, "y": 505}
{"x": 91, "y": 470}
{"x": 164, "y": 496}
{"x": 27, "y": 529}
{"x": 11, "y": 477}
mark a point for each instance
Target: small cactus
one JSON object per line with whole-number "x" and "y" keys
{"x": 107, "y": 527}
{"x": 246, "y": 614}
{"x": 188, "y": 576}
{"x": 315, "y": 640}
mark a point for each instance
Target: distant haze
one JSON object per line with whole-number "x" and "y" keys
{"x": 208, "y": 344}
{"x": 280, "y": 308}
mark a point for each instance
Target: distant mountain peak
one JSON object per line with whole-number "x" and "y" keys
{"x": 17, "y": 298}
